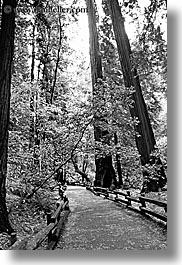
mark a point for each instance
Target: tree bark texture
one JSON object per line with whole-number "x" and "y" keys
{"x": 6, "y": 57}
{"x": 145, "y": 141}
{"x": 105, "y": 174}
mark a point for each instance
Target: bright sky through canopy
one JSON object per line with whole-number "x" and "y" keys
{"x": 80, "y": 37}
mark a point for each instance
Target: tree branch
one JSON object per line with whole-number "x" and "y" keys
{"x": 64, "y": 163}
{"x": 82, "y": 173}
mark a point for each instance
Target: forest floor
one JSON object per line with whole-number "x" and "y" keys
{"x": 27, "y": 218}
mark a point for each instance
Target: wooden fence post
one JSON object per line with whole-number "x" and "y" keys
{"x": 129, "y": 200}
{"x": 67, "y": 206}
{"x": 143, "y": 205}
{"x": 49, "y": 220}
{"x": 13, "y": 238}
{"x": 107, "y": 194}
{"x": 57, "y": 204}
{"x": 116, "y": 197}
{"x": 48, "y": 217}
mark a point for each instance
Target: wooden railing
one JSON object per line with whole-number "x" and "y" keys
{"x": 52, "y": 231}
{"x": 141, "y": 202}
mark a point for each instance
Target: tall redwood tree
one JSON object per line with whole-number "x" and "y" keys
{"x": 146, "y": 141}
{"x": 105, "y": 173}
{"x": 6, "y": 57}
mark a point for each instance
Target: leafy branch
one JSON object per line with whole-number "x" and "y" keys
{"x": 64, "y": 163}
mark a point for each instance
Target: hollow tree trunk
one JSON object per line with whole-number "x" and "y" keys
{"x": 146, "y": 141}
{"x": 105, "y": 174}
{"x": 6, "y": 57}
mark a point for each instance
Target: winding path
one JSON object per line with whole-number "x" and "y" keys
{"x": 96, "y": 223}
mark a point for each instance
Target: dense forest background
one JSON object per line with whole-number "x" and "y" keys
{"x": 56, "y": 111}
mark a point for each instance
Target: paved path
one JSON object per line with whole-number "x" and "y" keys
{"x": 96, "y": 223}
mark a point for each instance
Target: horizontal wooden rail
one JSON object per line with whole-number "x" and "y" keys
{"x": 156, "y": 202}
{"x": 128, "y": 199}
{"x": 52, "y": 231}
{"x": 121, "y": 200}
{"x": 150, "y": 212}
{"x": 20, "y": 244}
{"x": 55, "y": 236}
{"x": 60, "y": 207}
{"x": 134, "y": 199}
{"x": 122, "y": 193}
{"x": 101, "y": 189}
{"x": 39, "y": 237}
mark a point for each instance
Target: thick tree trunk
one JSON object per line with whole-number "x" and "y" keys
{"x": 6, "y": 56}
{"x": 146, "y": 141}
{"x": 105, "y": 174}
